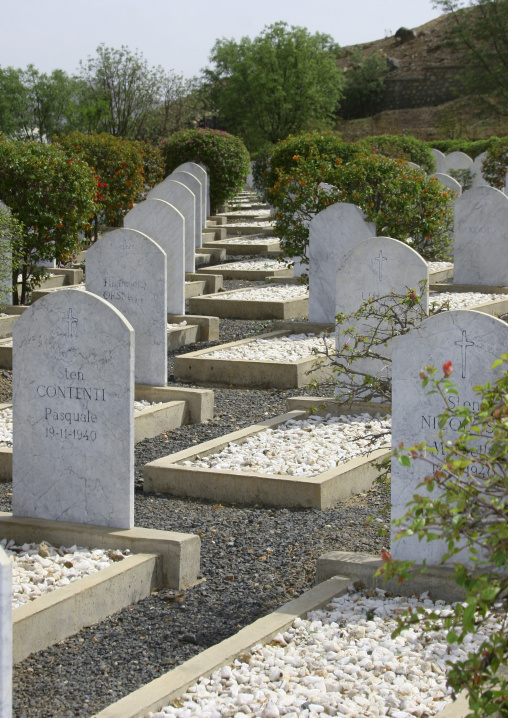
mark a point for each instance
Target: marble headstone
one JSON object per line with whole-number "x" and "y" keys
{"x": 457, "y": 161}
{"x": 480, "y": 245}
{"x": 472, "y": 341}
{"x": 180, "y": 196}
{"x": 73, "y": 409}
{"x": 5, "y": 635}
{"x": 440, "y": 159}
{"x": 477, "y": 170}
{"x": 128, "y": 269}
{"x": 449, "y": 182}
{"x": 196, "y": 188}
{"x": 165, "y": 225}
{"x": 207, "y": 193}
{"x": 200, "y": 174}
{"x": 373, "y": 269}
{"x": 332, "y": 233}
{"x": 6, "y": 256}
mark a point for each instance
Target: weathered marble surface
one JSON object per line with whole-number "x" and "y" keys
{"x": 73, "y": 393}
{"x": 200, "y": 174}
{"x": 472, "y": 341}
{"x": 5, "y": 635}
{"x": 180, "y": 196}
{"x": 196, "y": 188}
{"x": 449, "y": 182}
{"x": 372, "y": 269}
{"x": 128, "y": 269}
{"x": 165, "y": 225}
{"x": 332, "y": 233}
{"x": 208, "y": 209}
{"x": 480, "y": 248}
{"x": 457, "y": 161}
{"x": 440, "y": 160}
{"x": 476, "y": 169}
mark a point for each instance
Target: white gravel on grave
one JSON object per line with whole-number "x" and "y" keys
{"x": 463, "y": 300}
{"x": 178, "y": 324}
{"x": 438, "y": 266}
{"x": 246, "y": 212}
{"x": 3, "y": 315}
{"x": 304, "y": 448}
{"x": 250, "y": 240}
{"x": 38, "y": 569}
{"x": 337, "y": 661}
{"x": 6, "y": 420}
{"x": 258, "y": 263}
{"x": 289, "y": 348}
{"x": 260, "y": 223}
{"x": 268, "y": 294}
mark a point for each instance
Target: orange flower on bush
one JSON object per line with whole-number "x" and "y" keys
{"x": 447, "y": 368}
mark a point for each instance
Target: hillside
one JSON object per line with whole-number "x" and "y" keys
{"x": 422, "y": 68}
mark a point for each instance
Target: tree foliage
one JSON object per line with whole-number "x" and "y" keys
{"x": 280, "y": 83}
{"x": 53, "y": 195}
{"x": 118, "y": 168}
{"x": 402, "y": 202}
{"x": 480, "y": 32}
{"x": 224, "y": 156}
{"x": 364, "y": 85}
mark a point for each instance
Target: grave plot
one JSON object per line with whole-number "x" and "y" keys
{"x": 73, "y": 400}
{"x": 439, "y": 272}
{"x": 290, "y": 661}
{"x": 291, "y": 461}
{"x": 247, "y": 227}
{"x": 255, "y": 269}
{"x": 277, "y": 359}
{"x": 271, "y": 302}
{"x": 246, "y": 245}
{"x": 495, "y": 303}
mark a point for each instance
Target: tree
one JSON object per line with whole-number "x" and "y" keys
{"x": 479, "y": 31}
{"x": 125, "y": 97}
{"x": 34, "y": 105}
{"x": 53, "y": 196}
{"x": 279, "y": 83}
{"x": 365, "y": 85}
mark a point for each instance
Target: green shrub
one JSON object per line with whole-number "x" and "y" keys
{"x": 53, "y": 195}
{"x": 11, "y": 239}
{"x": 402, "y": 147}
{"x": 153, "y": 164}
{"x": 495, "y": 165}
{"x": 473, "y": 148}
{"x": 224, "y": 156}
{"x": 289, "y": 153}
{"x": 118, "y": 166}
{"x": 402, "y": 202}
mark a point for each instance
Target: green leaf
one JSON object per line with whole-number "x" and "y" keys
{"x": 404, "y": 460}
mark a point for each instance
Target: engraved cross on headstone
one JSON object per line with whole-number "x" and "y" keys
{"x": 71, "y": 324}
{"x": 464, "y": 344}
{"x": 380, "y": 258}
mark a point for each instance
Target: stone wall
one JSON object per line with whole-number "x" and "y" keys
{"x": 437, "y": 85}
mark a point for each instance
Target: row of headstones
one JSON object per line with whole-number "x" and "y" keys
{"x": 461, "y": 161}
{"x": 76, "y": 357}
{"x": 480, "y": 246}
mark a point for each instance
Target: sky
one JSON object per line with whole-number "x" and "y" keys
{"x": 179, "y": 34}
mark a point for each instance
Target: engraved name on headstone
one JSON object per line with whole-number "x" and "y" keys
{"x": 472, "y": 341}
{"x": 73, "y": 409}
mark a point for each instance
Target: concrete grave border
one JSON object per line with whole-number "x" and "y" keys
{"x": 167, "y": 476}
{"x": 163, "y": 690}
{"x": 195, "y": 368}
{"x": 162, "y": 558}
{"x": 269, "y": 245}
{"x": 291, "y": 308}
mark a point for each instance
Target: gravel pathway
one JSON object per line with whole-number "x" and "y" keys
{"x": 253, "y": 560}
